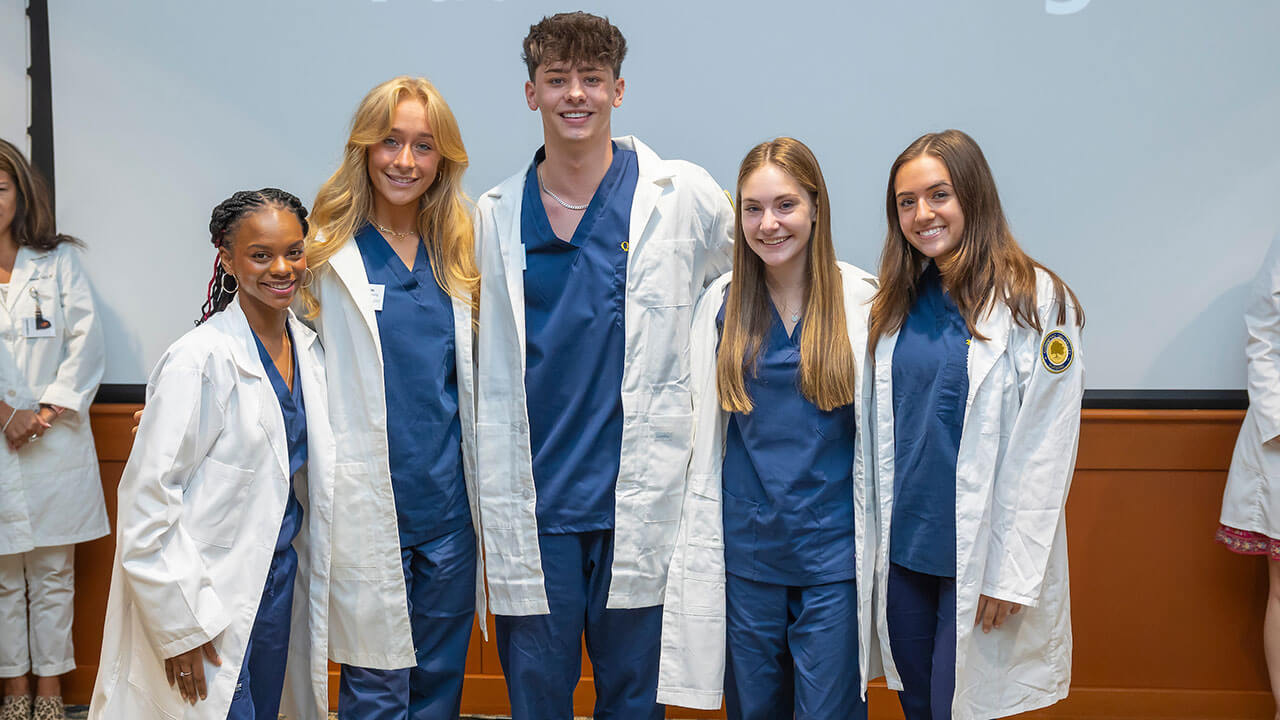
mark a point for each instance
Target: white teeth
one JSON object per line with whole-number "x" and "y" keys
{"x": 931, "y": 232}
{"x": 576, "y": 115}
{"x": 774, "y": 241}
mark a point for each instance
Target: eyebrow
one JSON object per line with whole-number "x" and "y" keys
{"x": 579, "y": 68}
{"x": 938, "y": 184}
{"x": 427, "y": 136}
{"x": 788, "y": 196}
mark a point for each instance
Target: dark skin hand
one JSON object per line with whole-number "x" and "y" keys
{"x": 187, "y": 672}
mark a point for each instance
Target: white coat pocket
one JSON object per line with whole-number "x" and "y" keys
{"x": 214, "y": 502}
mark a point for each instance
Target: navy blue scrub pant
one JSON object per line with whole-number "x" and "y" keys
{"x": 921, "y": 610}
{"x": 440, "y": 578}
{"x": 791, "y": 651}
{"x": 542, "y": 654}
{"x": 257, "y": 695}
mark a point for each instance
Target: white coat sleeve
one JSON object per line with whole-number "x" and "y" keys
{"x": 83, "y": 356}
{"x": 162, "y": 566}
{"x": 1033, "y": 478}
{"x": 1262, "y": 319}
{"x": 717, "y": 250}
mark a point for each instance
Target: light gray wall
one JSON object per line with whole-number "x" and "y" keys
{"x": 14, "y": 98}
{"x": 1131, "y": 139}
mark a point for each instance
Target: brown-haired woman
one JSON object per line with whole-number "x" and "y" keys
{"x": 978, "y": 382}
{"x": 768, "y": 593}
{"x": 51, "y": 361}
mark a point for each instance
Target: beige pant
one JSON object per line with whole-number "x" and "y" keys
{"x": 44, "y": 581}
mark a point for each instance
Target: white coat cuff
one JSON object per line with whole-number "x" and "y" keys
{"x": 69, "y": 399}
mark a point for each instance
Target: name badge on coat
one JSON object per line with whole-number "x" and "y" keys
{"x": 378, "y": 292}
{"x": 38, "y": 326}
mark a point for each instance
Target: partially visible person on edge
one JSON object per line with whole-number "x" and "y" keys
{"x": 51, "y": 361}
{"x": 769, "y": 590}
{"x": 1251, "y": 502}
{"x": 978, "y": 382}
{"x": 591, "y": 257}
{"x": 396, "y": 281}
{"x": 219, "y": 592}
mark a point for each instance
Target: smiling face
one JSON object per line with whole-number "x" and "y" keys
{"x": 777, "y": 218}
{"x": 403, "y": 165}
{"x": 929, "y": 213}
{"x": 576, "y": 100}
{"x": 265, "y": 255}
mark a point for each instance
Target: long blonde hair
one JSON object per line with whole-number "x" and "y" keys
{"x": 345, "y": 201}
{"x": 988, "y": 266}
{"x": 826, "y": 359}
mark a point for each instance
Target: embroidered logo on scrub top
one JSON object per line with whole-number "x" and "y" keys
{"x": 1056, "y": 352}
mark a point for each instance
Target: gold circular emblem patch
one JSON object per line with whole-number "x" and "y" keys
{"x": 1056, "y": 352}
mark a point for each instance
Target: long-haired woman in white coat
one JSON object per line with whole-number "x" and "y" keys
{"x": 978, "y": 382}
{"x": 219, "y": 591}
{"x": 1250, "y": 520}
{"x": 769, "y": 590}
{"x": 51, "y": 359}
{"x": 393, "y": 253}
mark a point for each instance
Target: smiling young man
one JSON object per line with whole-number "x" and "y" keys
{"x": 591, "y": 259}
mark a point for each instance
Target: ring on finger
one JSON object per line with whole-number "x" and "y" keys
{"x": 184, "y": 674}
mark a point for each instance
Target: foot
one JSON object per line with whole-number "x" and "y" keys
{"x": 48, "y": 708}
{"x": 16, "y": 707}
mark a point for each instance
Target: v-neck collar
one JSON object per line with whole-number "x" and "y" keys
{"x": 595, "y": 208}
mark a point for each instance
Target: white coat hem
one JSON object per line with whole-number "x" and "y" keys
{"x": 690, "y": 698}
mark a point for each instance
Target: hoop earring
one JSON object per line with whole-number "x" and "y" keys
{"x": 235, "y": 284}
{"x": 308, "y": 278}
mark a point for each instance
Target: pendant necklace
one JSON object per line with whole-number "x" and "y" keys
{"x": 567, "y": 206}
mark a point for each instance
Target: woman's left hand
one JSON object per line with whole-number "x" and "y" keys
{"x": 26, "y": 426}
{"x": 992, "y": 612}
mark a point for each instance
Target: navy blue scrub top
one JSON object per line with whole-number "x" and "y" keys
{"x": 575, "y": 341}
{"x": 295, "y": 430}
{"x": 930, "y": 388}
{"x": 787, "y": 476}
{"x": 420, "y": 379}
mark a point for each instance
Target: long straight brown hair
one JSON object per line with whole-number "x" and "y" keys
{"x": 345, "y": 201}
{"x": 826, "y": 360}
{"x": 988, "y": 265}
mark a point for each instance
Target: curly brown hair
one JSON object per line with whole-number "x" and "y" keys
{"x": 574, "y": 37}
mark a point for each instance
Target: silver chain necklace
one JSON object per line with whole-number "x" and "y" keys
{"x": 567, "y": 206}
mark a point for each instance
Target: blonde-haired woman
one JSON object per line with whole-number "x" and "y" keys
{"x": 767, "y": 594}
{"x": 392, "y": 300}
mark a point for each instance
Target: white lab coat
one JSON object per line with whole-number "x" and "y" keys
{"x": 1251, "y": 500}
{"x": 50, "y": 492}
{"x": 200, "y": 507}
{"x": 680, "y": 239}
{"x": 1017, "y": 454}
{"x": 369, "y": 617}
{"x": 691, "y": 668}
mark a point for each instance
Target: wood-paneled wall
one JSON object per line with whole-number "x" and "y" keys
{"x": 1167, "y": 623}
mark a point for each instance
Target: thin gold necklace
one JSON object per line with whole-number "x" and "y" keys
{"x": 388, "y": 231}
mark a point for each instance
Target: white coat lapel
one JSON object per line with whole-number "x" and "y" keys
{"x": 994, "y": 324}
{"x": 654, "y": 178}
{"x": 244, "y": 350}
{"x": 349, "y": 267}
{"x": 513, "y": 260}
{"x": 24, "y": 266}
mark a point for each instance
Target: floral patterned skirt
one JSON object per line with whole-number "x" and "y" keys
{"x": 1246, "y": 542}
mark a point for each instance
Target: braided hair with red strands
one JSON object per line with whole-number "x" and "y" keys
{"x": 222, "y": 224}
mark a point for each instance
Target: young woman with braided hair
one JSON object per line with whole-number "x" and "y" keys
{"x": 219, "y": 593}
{"x": 50, "y": 492}
{"x": 392, "y": 301}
